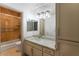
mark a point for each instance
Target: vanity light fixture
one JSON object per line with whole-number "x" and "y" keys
{"x": 44, "y": 14}
{"x": 47, "y": 13}
{"x": 38, "y": 13}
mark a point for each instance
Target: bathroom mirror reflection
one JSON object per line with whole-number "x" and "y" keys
{"x": 32, "y": 25}
{"x": 41, "y": 22}
{"x": 43, "y": 31}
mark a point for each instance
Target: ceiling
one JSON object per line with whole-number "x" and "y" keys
{"x": 30, "y": 6}
{"x": 33, "y": 8}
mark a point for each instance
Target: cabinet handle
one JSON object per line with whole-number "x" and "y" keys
{"x": 17, "y": 51}
{"x": 58, "y": 33}
{"x": 49, "y": 51}
{"x": 58, "y": 46}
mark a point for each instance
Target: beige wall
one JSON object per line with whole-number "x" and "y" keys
{"x": 69, "y": 21}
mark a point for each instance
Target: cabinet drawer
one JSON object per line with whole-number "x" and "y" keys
{"x": 45, "y": 54}
{"x": 27, "y": 42}
{"x": 48, "y": 51}
{"x": 34, "y": 45}
{"x": 37, "y": 46}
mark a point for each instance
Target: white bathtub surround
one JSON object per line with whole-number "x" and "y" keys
{"x": 5, "y": 46}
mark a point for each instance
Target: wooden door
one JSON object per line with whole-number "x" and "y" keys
{"x": 10, "y": 25}
{"x": 0, "y": 30}
{"x": 10, "y": 28}
{"x": 0, "y": 24}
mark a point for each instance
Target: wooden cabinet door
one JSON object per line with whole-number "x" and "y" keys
{"x": 9, "y": 24}
{"x": 28, "y": 49}
{"x": 67, "y": 48}
{"x": 0, "y": 37}
{"x": 37, "y": 52}
{"x": 0, "y": 9}
{"x": 0, "y": 24}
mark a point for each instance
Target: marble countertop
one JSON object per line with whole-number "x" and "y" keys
{"x": 44, "y": 42}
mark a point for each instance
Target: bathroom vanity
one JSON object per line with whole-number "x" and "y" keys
{"x": 34, "y": 46}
